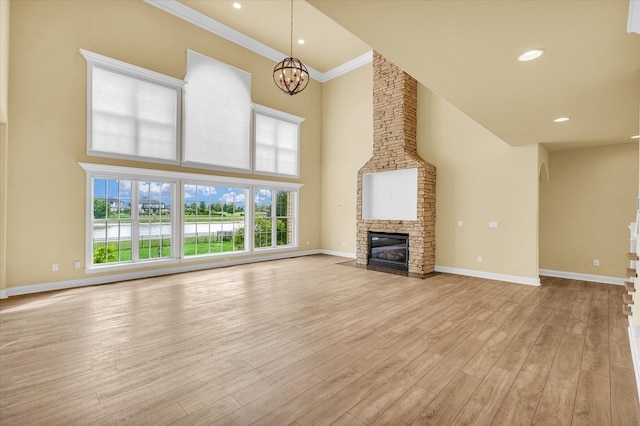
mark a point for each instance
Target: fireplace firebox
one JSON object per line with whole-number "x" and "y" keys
{"x": 388, "y": 250}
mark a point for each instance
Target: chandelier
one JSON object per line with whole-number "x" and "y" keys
{"x": 290, "y": 75}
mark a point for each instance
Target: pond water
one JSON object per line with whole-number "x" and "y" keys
{"x": 115, "y": 231}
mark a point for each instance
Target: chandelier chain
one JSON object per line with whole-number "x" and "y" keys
{"x": 291, "y": 35}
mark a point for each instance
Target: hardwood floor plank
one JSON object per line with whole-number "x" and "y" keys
{"x": 566, "y": 364}
{"x": 556, "y": 403}
{"x": 619, "y": 350}
{"x": 405, "y": 410}
{"x": 305, "y": 402}
{"x": 258, "y": 408}
{"x": 519, "y": 406}
{"x": 595, "y": 357}
{"x": 347, "y": 420}
{"x": 625, "y": 409}
{"x": 592, "y": 406}
{"x": 334, "y": 407}
{"x": 493, "y": 348}
{"x": 577, "y": 321}
{"x": 379, "y": 401}
{"x": 544, "y": 349}
{"x": 440, "y": 375}
{"x": 487, "y": 399}
{"x": 444, "y": 408}
{"x": 210, "y": 413}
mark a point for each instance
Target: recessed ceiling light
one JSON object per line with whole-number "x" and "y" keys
{"x": 237, "y": 5}
{"x": 635, "y": 137}
{"x": 530, "y": 55}
{"x": 562, "y": 119}
{"x": 300, "y": 41}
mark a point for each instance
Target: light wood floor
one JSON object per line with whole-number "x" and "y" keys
{"x": 308, "y": 341}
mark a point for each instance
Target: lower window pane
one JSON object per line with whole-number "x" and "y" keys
{"x": 213, "y": 219}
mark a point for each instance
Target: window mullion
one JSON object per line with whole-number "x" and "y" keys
{"x": 274, "y": 218}
{"x": 135, "y": 222}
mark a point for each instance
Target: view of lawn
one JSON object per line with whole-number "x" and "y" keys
{"x": 151, "y": 249}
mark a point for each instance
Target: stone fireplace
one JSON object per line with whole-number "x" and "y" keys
{"x": 395, "y": 96}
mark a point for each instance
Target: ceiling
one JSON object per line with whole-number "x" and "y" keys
{"x": 466, "y": 52}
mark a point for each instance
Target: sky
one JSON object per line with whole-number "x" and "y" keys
{"x": 114, "y": 188}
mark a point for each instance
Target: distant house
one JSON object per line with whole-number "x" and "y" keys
{"x": 149, "y": 205}
{"x": 116, "y": 204}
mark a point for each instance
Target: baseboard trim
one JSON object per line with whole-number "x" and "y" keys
{"x": 489, "y": 275}
{"x": 634, "y": 333}
{"x": 338, "y": 253}
{"x": 84, "y": 282}
{"x": 582, "y": 277}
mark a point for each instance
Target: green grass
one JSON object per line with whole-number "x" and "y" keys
{"x": 151, "y": 249}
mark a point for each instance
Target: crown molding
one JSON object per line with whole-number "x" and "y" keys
{"x": 187, "y": 14}
{"x": 351, "y": 65}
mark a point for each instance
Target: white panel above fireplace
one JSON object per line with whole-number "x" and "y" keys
{"x": 390, "y": 195}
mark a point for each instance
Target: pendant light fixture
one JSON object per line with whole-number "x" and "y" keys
{"x": 290, "y": 75}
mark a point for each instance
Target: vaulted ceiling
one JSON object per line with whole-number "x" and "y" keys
{"x": 466, "y": 52}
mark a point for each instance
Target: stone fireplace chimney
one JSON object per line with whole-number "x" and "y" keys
{"x": 395, "y": 95}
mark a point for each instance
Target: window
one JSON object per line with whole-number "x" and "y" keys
{"x": 217, "y": 115}
{"x": 276, "y": 145}
{"x": 132, "y": 112}
{"x": 274, "y": 218}
{"x": 133, "y": 218}
{"x": 111, "y": 221}
{"x": 154, "y": 219}
{"x": 214, "y": 219}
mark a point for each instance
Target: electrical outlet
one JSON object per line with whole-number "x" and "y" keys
{"x": 479, "y": 259}
{"x": 459, "y": 223}
{"x": 54, "y": 267}
{"x": 76, "y": 264}
{"x": 596, "y": 262}
{"x": 493, "y": 224}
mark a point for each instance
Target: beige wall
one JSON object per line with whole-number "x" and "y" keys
{"x": 586, "y": 207}
{"x": 636, "y": 298}
{"x": 347, "y": 144}
{"x": 4, "y": 58}
{"x": 47, "y": 98}
{"x": 4, "y": 81}
{"x": 3, "y": 205}
{"x": 480, "y": 179}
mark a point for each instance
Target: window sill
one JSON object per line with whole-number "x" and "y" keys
{"x": 127, "y": 266}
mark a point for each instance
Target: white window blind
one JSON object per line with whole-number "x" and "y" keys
{"x": 277, "y": 137}
{"x": 217, "y": 114}
{"x": 132, "y": 112}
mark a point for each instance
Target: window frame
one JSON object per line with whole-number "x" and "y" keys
{"x": 214, "y": 183}
{"x": 178, "y": 180}
{"x": 278, "y": 115}
{"x": 274, "y": 218}
{"x": 185, "y": 162}
{"x": 138, "y": 73}
{"x": 98, "y": 171}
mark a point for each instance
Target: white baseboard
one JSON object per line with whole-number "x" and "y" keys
{"x": 582, "y": 277}
{"x": 338, "y": 253}
{"x": 83, "y": 282}
{"x": 634, "y": 332}
{"x": 489, "y": 275}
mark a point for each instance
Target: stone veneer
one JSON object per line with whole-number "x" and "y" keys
{"x": 395, "y": 99}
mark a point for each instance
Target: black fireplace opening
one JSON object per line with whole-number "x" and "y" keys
{"x": 387, "y": 250}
